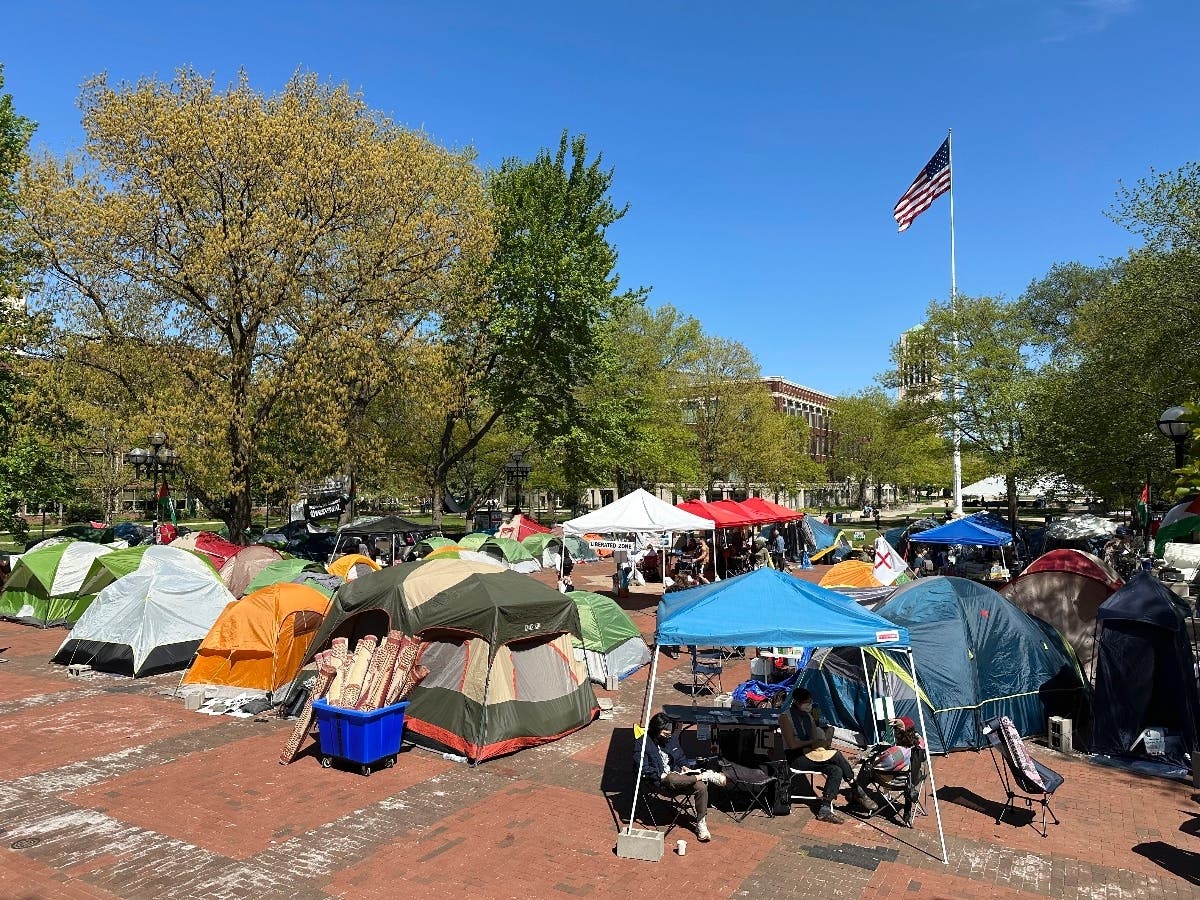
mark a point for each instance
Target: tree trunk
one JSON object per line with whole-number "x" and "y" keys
{"x": 439, "y": 493}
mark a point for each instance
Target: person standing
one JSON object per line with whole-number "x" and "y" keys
{"x": 778, "y": 549}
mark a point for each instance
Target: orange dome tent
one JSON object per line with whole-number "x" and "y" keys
{"x": 349, "y": 567}
{"x": 850, "y": 573}
{"x": 260, "y": 641}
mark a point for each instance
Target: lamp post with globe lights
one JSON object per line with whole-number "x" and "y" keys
{"x": 154, "y": 463}
{"x": 1171, "y": 424}
{"x": 516, "y": 470}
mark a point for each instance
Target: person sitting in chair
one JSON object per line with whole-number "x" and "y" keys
{"x": 667, "y": 769}
{"x": 809, "y": 746}
{"x": 888, "y": 762}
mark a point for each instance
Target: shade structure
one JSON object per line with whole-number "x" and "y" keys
{"x": 744, "y": 514}
{"x": 769, "y": 608}
{"x": 392, "y": 535}
{"x": 765, "y": 507}
{"x": 722, "y": 517}
{"x": 260, "y": 641}
{"x": 502, "y": 672}
{"x": 44, "y": 585}
{"x": 637, "y": 511}
{"x": 963, "y": 531}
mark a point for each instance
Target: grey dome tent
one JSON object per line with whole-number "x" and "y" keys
{"x": 981, "y": 656}
{"x": 1145, "y": 669}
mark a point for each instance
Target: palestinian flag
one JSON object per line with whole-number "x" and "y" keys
{"x": 1143, "y": 506}
{"x": 163, "y": 496}
{"x": 1182, "y": 520}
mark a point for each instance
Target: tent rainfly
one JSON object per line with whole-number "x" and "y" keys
{"x": 767, "y": 608}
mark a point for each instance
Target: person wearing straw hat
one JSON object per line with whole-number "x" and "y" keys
{"x": 810, "y": 746}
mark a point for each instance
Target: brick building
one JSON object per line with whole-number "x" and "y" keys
{"x": 816, "y": 407}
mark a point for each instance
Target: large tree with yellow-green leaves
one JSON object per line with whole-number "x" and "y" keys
{"x": 243, "y": 266}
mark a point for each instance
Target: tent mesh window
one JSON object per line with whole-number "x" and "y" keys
{"x": 540, "y": 671}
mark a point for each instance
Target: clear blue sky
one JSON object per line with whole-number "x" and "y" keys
{"x": 760, "y": 146}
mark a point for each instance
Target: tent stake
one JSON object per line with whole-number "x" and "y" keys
{"x": 912, "y": 667}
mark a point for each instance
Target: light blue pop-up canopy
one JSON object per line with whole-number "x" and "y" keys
{"x": 769, "y": 608}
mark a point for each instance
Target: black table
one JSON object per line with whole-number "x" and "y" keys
{"x": 721, "y": 716}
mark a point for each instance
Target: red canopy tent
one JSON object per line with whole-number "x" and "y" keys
{"x": 776, "y": 512}
{"x": 721, "y": 517}
{"x": 742, "y": 513}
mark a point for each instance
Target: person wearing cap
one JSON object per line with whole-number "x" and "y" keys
{"x": 809, "y": 746}
{"x": 896, "y": 758}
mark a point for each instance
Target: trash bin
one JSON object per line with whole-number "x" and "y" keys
{"x": 360, "y": 737}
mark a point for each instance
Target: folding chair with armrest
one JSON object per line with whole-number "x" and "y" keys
{"x": 707, "y": 667}
{"x": 677, "y": 804}
{"x": 1036, "y": 782}
{"x": 905, "y": 787}
{"x": 798, "y": 771}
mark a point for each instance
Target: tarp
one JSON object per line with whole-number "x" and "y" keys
{"x": 1145, "y": 670}
{"x": 963, "y": 531}
{"x": 637, "y": 511}
{"x": 502, "y": 671}
{"x": 150, "y": 620}
{"x": 259, "y": 642}
{"x": 1073, "y": 528}
{"x": 44, "y": 584}
{"x": 769, "y": 608}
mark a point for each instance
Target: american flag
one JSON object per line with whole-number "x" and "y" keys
{"x": 931, "y": 183}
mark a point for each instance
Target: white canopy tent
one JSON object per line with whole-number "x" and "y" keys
{"x": 994, "y": 487}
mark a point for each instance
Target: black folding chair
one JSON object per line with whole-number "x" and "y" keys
{"x": 901, "y": 793}
{"x": 756, "y": 786}
{"x": 1036, "y": 782}
{"x": 707, "y": 666}
{"x": 676, "y": 805}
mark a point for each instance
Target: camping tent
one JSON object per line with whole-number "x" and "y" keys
{"x": 150, "y": 620}
{"x": 322, "y": 581}
{"x": 502, "y": 674}
{"x": 474, "y": 540}
{"x": 639, "y": 511}
{"x": 1065, "y": 588}
{"x": 1180, "y": 520}
{"x": 107, "y": 569}
{"x": 545, "y": 548}
{"x": 768, "y": 608}
{"x": 259, "y": 642}
{"x": 1145, "y": 670}
{"x": 240, "y": 569}
{"x": 454, "y": 551}
{"x": 44, "y": 584}
{"x": 520, "y": 527}
{"x": 279, "y": 571}
{"x": 216, "y": 548}
{"x": 581, "y": 551}
{"x": 351, "y": 566}
{"x": 425, "y": 546}
{"x": 824, "y": 542}
{"x": 981, "y": 657}
{"x": 511, "y": 554}
{"x": 850, "y": 573}
{"x": 391, "y": 535}
{"x": 611, "y": 643}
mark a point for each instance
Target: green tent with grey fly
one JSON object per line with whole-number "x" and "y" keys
{"x": 502, "y": 671}
{"x": 43, "y": 588}
{"x": 281, "y": 570}
{"x": 611, "y": 643}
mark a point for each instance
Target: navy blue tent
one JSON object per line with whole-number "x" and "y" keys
{"x": 964, "y": 531}
{"x": 980, "y": 656}
{"x": 1145, "y": 670}
{"x": 769, "y": 608}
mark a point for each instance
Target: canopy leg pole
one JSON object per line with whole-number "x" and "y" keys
{"x": 870, "y": 693}
{"x": 716, "y": 574}
{"x": 647, "y": 705}
{"x": 912, "y": 667}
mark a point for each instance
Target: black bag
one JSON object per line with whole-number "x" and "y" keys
{"x": 781, "y": 803}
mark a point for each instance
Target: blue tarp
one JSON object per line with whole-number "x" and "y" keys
{"x": 963, "y": 531}
{"x": 769, "y": 608}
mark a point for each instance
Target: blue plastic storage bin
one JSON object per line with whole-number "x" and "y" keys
{"x": 360, "y": 737}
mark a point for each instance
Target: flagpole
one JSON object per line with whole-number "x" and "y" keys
{"x": 958, "y": 506}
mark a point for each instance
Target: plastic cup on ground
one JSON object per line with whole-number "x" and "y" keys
{"x": 681, "y": 847}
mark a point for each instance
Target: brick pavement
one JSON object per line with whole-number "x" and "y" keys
{"x": 111, "y": 789}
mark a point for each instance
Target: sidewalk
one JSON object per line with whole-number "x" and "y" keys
{"x": 111, "y": 789}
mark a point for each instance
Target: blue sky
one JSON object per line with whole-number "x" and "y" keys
{"x": 760, "y": 146}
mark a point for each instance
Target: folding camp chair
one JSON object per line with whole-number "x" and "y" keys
{"x": 677, "y": 805}
{"x": 756, "y": 785}
{"x": 1020, "y": 769}
{"x": 901, "y": 793}
{"x": 800, "y": 775}
{"x": 707, "y": 667}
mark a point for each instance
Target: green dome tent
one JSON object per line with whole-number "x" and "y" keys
{"x": 474, "y": 540}
{"x": 511, "y": 553}
{"x": 545, "y": 548}
{"x": 429, "y": 544}
{"x": 611, "y": 643}
{"x": 282, "y": 570}
{"x": 502, "y": 674}
{"x": 44, "y": 585}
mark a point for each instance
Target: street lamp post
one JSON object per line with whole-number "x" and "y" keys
{"x": 516, "y": 470}
{"x": 154, "y": 463}
{"x": 1170, "y": 424}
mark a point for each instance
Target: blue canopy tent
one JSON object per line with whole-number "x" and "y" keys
{"x": 964, "y": 531}
{"x": 768, "y": 608}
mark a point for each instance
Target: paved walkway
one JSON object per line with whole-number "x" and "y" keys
{"x": 111, "y": 789}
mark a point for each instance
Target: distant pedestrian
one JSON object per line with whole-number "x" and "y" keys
{"x": 778, "y": 549}
{"x": 876, "y": 512}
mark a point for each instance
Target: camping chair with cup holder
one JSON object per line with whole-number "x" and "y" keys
{"x": 900, "y": 793}
{"x": 1036, "y": 782}
{"x": 707, "y": 666}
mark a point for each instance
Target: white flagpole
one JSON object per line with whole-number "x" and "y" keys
{"x": 958, "y": 505}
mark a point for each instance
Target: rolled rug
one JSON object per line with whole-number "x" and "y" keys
{"x": 352, "y": 689}
{"x": 382, "y": 663}
{"x": 325, "y": 674}
{"x": 410, "y": 652}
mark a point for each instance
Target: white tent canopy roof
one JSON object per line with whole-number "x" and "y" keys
{"x": 638, "y": 511}
{"x": 993, "y": 487}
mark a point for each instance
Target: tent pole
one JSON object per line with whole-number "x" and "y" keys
{"x": 647, "y": 706}
{"x": 870, "y": 693}
{"x": 716, "y": 574}
{"x": 912, "y": 667}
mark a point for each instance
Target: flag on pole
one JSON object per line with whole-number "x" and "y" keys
{"x": 164, "y": 500}
{"x": 1143, "y": 505}
{"x": 931, "y": 183}
{"x": 889, "y": 565}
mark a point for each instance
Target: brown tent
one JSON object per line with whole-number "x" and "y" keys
{"x": 1065, "y": 588}
{"x": 239, "y": 570}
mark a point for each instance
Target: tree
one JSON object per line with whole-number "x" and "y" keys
{"x": 980, "y": 355}
{"x": 529, "y": 335}
{"x": 250, "y": 257}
